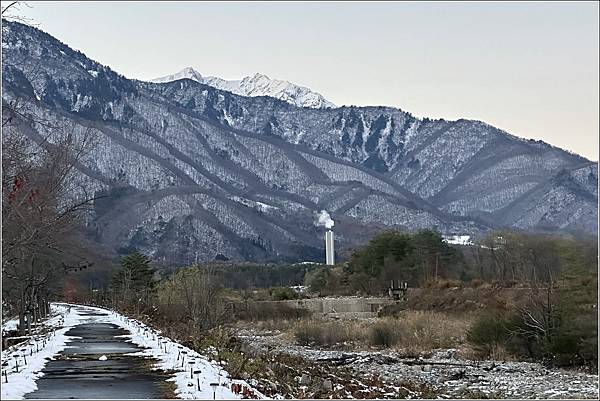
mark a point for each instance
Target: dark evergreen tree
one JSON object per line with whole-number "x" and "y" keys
{"x": 134, "y": 281}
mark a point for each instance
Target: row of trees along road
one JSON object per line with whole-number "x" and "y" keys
{"x": 42, "y": 204}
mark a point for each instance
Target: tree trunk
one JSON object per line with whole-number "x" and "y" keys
{"x": 43, "y": 308}
{"x": 28, "y": 323}
{"x": 21, "y": 323}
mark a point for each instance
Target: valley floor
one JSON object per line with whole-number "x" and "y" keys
{"x": 442, "y": 374}
{"x": 90, "y": 352}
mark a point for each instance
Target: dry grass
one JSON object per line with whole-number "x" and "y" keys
{"x": 498, "y": 353}
{"x": 285, "y": 325}
{"x": 411, "y": 333}
{"x": 422, "y": 331}
{"x": 323, "y": 333}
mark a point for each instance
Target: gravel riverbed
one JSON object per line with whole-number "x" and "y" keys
{"x": 443, "y": 372}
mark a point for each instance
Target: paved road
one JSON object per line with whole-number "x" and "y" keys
{"x": 78, "y": 373}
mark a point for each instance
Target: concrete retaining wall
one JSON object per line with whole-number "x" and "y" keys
{"x": 340, "y": 305}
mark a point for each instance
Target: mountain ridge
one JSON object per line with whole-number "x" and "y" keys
{"x": 193, "y": 173}
{"x": 256, "y": 85}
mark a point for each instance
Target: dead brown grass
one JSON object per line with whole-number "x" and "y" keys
{"x": 411, "y": 332}
{"x": 323, "y": 333}
{"x": 415, "y": 332}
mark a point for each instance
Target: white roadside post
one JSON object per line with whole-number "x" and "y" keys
{"x": 179, "y": 347}
{"x": 214, "y": 388}
{"x": 191, "y": 363}
{"x": 5, "y": 371}
{"x": 183, "y": 353}
{"x": 197, "y": 373}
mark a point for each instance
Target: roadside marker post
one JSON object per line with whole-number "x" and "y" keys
{"x": 214, "y": 387}
{"x": 197, "y": 372}
{"x": 183, "y": 359}
{"x": 191, "y": 363}
{"x": 5, "y": 367}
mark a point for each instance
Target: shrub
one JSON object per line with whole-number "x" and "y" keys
{"x": 283, "y": 294}
{"x": 257, "y": 311}
{"x": 321, "y": 334}
{"x": 307, "y": 334}
{"x": 574, "y": 342}
{"x": 488, "y": 334}
{"x": 476, "y": 282}
{"x": 384, "y": 334}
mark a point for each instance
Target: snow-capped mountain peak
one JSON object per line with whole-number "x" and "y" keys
{"x": 187, "y": 72}
{"x": 256, "y": 85}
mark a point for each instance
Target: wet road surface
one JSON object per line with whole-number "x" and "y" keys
{"x": 78, "y": 373}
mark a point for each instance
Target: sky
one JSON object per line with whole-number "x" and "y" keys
{"x": 530, "y": 69}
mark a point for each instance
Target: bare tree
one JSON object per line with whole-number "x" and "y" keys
{"x": 195, "y": 293}
{"x": 11, "y": 11}
{"x": 41, "y": 208}
{"x": 40, "y": 215}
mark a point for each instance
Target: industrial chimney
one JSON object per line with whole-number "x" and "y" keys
{"x": 329, "y": 249}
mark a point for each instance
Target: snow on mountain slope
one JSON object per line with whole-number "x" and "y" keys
{"x": 187, "y": 172}
{"x": 256, "y": 85}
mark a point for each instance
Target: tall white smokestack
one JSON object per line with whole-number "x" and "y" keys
{"x": 329, "y": 249}
{"x": 324, "y": 219}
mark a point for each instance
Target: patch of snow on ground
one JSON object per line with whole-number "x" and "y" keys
{"x": 170, "y": 355}
{"x": 49, "y": 344}
{"x": 301, "y": 289}
{"x": 263, "y": 207}
{"x": 10, "y": 325}
{"x": 174, "y": 356}
{"x": 458, "y": 239}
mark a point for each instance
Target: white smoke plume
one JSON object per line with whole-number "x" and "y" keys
{"x": 324, "y": 219}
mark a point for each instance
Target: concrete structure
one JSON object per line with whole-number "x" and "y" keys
{"x": 341, "y": 307}
{"x": 345, "y": 307}
{"x": 329, "y": 248}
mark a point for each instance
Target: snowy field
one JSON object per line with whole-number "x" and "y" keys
{"x": 10, "y": 325}
{"x": 22, "y": 364}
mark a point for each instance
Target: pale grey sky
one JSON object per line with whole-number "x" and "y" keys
{"x": 528, "y": 68}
